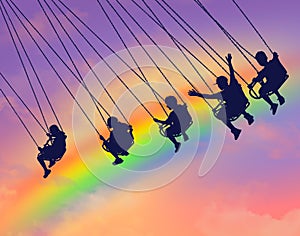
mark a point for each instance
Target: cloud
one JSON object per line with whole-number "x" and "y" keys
{"x": 279, "y": 141}
{"x": 216, "y": 222}
{"x": 6, "y": 195}
{"x": 6, "y": 192}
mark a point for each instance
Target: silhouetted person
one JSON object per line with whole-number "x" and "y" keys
{"x": 120, "y": 139}
{"x": 178, "y": 121}
{"x": 53, "y": 150}
{"x": 275, "y": 75}
{"x": 234, "y": 100}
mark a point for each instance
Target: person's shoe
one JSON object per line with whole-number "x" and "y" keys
{"x": 236, "y": 133}
{"x": 177, "y": 146}
{"x": 117, "y": 161}
{"x": 47, "y": 172}
{"x": 250, "y": 120}
{"x": 52, "y": 163}
{"x": 274, "y": 108}
{"x": 124, "y": 153}
{"x": 281, "y": 100}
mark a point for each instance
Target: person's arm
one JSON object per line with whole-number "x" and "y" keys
{"x": 258, "y": 79}
{"x": 171, "y": 118}
{"x": 102, "y": 138}
{"x": 202, "y": 95}
{"x": 168, "y": 121}
{"x": 50, "y": 139}
{"x": 64, "y": 134}
{"x": 231, "y": 70}
{"x": 275, "y": 56}
{"x": 159, "y": 121}
{"x": 47, "y": 142}
{"x": 130, "y": 131}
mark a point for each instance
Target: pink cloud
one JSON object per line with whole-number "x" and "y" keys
{"x": 268, "y": 140}
{"x": 6, "y": 192}
{"x": 279, "y": 141}
{"x": 6, "y": 195}
{"x": 240, "y": 221}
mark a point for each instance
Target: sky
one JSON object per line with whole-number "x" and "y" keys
{"x": 250, "y": 186}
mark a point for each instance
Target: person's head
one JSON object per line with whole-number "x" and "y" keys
{"x": 53, "y": 129}
{"x": 171, "y": 102}
{"x": 112, "y": 121}
{"x": 261, "y": 58}
{"x": 222, "y": 82}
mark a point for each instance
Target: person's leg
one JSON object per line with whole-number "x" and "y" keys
{"x": 113, "y": 149}
{"x": 223, "y": 117}
{"x": 235, "y": 131}
{"x": 57, "y": 155}
{"x": 52, "y": 163}
{"x": 248, "y": 117}
{"x": 41, "y": 159}
{"x": 264, "y": 94}
{"x": 170, "y": 134}
{"x": 280, "y": 98}
{"x": 118, "y": 160}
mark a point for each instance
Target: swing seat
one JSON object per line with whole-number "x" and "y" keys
{"x": 162, "y": 130}
{"x": 276, "y": 87}
{"x": 119, "y": 152}
{"x": 185, "y": 120}
{"x": 51, "y": 154}
{"x": 122, "y": 151}
{"x": 120, "y": 140}
{"x": 58, "y": 158}
{"x": 233, "y": 116}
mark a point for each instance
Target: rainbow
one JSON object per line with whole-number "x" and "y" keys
{"x": 40, "y": 200}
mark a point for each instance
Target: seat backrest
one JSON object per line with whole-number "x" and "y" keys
{"x": 184, "y": 117}
{"x": 123, "y": 136}
{"x": 276, "y": 71}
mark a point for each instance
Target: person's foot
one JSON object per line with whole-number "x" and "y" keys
{"x": 250, "y": 120}
{"x": 177, "y": 146}
{"x": 281, "y": 100}
{"x": 274, "y": 108}
{"x": 236, "y": 133}
{"x": 52, "y": 163}
{"x": 124, "y": 153}
{"x": 47, "y": 172}
{"x": 117, "y": 161}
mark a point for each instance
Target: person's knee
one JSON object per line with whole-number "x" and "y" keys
{"x": 263, "y": 91}
{"x": 245, "y": 113}
{"x": 40, "y": 158}
{"x": 115, "y": 154}
{"x": 169, "y": 133}
{"x": 277, "y": 93}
